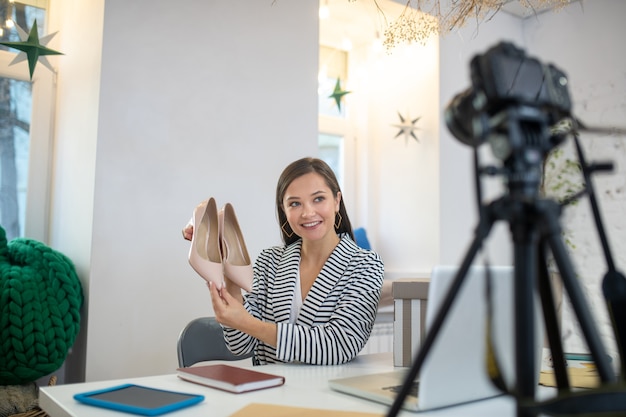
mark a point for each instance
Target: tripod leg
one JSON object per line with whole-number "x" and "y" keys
{"x": 553, "y": 331}
{"x": 435, "y": 327}
{"x": 576, "y": 296}
{"x": 525, "y": 238}
{"x": 614, "y": 282}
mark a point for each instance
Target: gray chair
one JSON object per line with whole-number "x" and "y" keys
{"x": 201, "y": 340}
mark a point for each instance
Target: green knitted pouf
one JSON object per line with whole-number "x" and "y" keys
{"x": 40, "y": 299}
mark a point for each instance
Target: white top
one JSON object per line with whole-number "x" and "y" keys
{"x": 296, "y": 303}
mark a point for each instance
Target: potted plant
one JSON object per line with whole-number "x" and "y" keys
{"x": 562, "y": 180}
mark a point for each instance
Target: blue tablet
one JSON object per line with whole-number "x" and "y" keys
{"x": 137, "y": 399}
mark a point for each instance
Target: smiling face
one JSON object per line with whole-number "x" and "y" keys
{"x": 311, "y": 207}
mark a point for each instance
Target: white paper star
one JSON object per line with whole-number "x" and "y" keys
{"x": 407, "y": 128}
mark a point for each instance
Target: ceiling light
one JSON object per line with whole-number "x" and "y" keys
{"x": 324, "y": 11}
{"x": 346, "y": 44}
{"x": 322, "y": 74}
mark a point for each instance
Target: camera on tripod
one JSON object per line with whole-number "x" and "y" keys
{"x": 507, "y": 85}
{"x": 516, "y": 104}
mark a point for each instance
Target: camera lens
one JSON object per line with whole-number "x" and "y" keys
{"x": 460, "y": 116}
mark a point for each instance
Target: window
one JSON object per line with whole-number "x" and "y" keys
{"x": 15, "y": 112}
{"x": 332, "y": 120}
{"x": 330, "y": 148}
{"x": 25, "y": 127}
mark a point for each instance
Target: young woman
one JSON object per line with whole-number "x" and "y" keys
{"x": 313, "y": 299}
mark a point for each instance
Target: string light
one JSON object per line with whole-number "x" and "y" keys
{"x": 422, "y": 19}
{"x": 8, "y": 22}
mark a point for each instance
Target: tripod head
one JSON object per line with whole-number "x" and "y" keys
{"x": 513, "y": 101}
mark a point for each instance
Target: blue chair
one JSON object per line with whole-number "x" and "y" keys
{"x": 360, "y": 236}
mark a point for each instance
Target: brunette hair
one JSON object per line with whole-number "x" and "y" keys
{"x": 295, "y": 170}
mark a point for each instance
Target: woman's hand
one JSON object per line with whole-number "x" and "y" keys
{"x": 188, "y": 231}
{"x": 228, "y": 310}
{"x": 231, "y": 313}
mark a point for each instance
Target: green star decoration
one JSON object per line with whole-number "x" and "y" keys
{"x": 32, "y": 49}
{"x": 338, "y": 93}
{"x": 407, "y": 128}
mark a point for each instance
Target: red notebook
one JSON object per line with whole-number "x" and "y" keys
{"x": 229, "y": 378}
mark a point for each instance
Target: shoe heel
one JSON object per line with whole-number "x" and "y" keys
{"x": 204, "y": 254}
{"x": 235, "y": 258}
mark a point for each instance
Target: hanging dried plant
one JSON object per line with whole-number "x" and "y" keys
{"x": 422, "y": 19}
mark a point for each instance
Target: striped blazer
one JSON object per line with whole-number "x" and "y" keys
{"x": 337, "y": 314}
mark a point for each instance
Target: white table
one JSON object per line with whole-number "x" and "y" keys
{"x": 305, "y": 386}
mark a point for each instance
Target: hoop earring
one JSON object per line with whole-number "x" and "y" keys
{"x": 282, "y": 227}
{"x": 338, "y": 221}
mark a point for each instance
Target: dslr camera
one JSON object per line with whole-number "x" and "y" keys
{"x": 508, "y": 87}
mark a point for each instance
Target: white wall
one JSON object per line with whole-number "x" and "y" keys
{"x": 196, "y": 99}
{"x": 459, "y": 216}
{"x": 586, "y": 41}
{"x": 417, "y": 199}
{"x": 398, "y": 179}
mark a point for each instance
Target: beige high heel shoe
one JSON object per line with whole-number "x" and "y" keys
{"x": 235, "y": 258}
{"x": 204, "y": 253}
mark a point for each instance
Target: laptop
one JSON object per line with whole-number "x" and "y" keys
{"x": 454, "y": 371}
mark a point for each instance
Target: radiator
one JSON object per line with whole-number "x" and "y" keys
{"x": 381, "y": 339}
